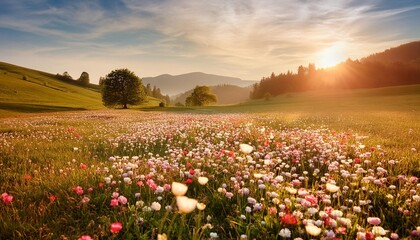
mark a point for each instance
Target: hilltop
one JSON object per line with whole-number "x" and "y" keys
{"x": 407, "y": 53}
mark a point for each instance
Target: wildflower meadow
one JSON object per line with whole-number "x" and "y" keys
{"x": 149, "y": 175}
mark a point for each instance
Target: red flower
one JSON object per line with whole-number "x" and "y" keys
{"x": 83, "y": 166}
{"x": 357, "y": 160}
{"x": 369, "y": 236}
{"x": 52, "y": 198}
{"x": 28, "y": 177}
{"x": 289, "y": 219}
{"x": 188, "y": 181}
{"x": 192, "y": 171}
{"x": 116, "y": 227}
{"x": 7, "y": 199}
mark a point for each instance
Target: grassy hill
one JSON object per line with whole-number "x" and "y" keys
{"x": 27, "y": 90}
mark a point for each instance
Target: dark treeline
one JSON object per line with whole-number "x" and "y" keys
{"x": 347, "y": 75}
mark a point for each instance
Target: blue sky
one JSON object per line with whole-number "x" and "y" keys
{"x": 247, "y": 39}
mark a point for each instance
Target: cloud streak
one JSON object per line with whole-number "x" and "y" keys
{"x": 248, "y": 39}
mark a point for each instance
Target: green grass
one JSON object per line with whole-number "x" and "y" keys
{"x": 43, "y": 92}
{"x": 51, "y": 147}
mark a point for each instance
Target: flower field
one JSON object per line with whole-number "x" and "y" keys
{"x": 136, "y": 175}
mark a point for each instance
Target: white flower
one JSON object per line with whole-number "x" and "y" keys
{"x": 202, "y": 180}
{"x": 201, "y": 206}
{"x": 155, "y": 206}
{"x": 313, "y": 230}
{"x": 291, "y": 190}
{"x": 185, "y": 204}
{"x": 213, "y": 235}
{"x": 245, "y": 148}
{"x": 179, "y": 189}
{"x": 332, "y": 188}
{"x": 376, "y": 230}
{"x": 285, "y": 232}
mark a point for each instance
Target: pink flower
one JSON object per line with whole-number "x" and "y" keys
{"x": 114, "y": 202}
{"x": 7, "y": 199}
{"x": 78, "y": 190}
{"x": 85, "y": 200}
{"x": 123, "y": 200}
{"x": 115, "y": 195}
{"x": 116, "y": 227}
{"x": 374, "y": 220}
{"x": 167, "y": 187}
{"x": 85, "y": 237}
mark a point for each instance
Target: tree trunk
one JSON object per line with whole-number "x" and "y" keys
{"x": 125, "y": 106}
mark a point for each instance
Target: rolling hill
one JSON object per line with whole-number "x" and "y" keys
{"x": 27, "y": 90}
{"x": 226, "y": 94}
{"x": 176, "y": 84}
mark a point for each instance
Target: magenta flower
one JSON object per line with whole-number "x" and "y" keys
{"x": 115, "y": 227}
{"x": 114, "y": 202}
{"x": 7, "y": 199}
{"x": 85, "y": 237}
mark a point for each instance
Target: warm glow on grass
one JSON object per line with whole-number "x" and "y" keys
{"x": 332, "y": 55}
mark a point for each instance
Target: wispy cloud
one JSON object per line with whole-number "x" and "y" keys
{"x": 247, "y": 38}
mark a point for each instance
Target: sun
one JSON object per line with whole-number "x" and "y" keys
{"x": 331, "y": 56}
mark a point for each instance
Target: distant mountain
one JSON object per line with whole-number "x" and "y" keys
{"x": 226, "y": 94}
{"x": 176, "y": 84}
{"x": 406, "y": 53}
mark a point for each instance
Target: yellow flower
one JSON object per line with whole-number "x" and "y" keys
{"x": 185, "y": 204}
{"x": 179, "y": 189}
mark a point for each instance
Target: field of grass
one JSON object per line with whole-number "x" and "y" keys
{"x": 314, "y": 165}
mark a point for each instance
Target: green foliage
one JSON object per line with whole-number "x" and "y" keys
{"x": 201, "y": 96}
{"x": 122, "y": 87}
{"x": 267, "y": 96}
{"x": 84, "y": 79}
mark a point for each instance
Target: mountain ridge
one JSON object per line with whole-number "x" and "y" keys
{"x": 177, "y": 84}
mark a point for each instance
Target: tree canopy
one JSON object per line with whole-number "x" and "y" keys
{"x": 84, "y": 79}
{"x": 122, "y": 87}
{"x": 201, "y": 96}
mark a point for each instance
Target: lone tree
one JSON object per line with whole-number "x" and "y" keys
{"x": 121, "y": 87}
{"x": 201, "y": 96}
{"x": 84, "y": 79}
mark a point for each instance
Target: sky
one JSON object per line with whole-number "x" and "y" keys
{"x": 248, "y": 39}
